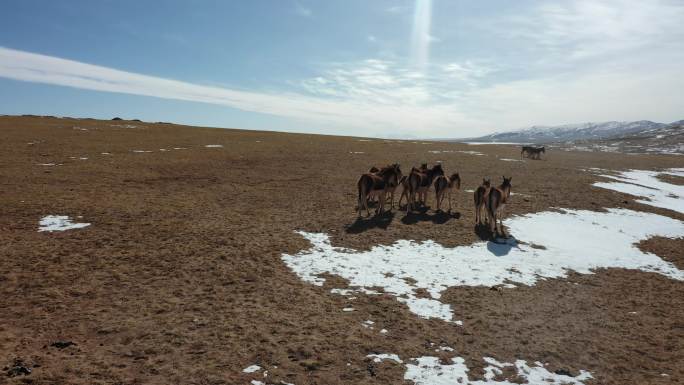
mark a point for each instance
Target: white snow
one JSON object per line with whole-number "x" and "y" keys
{"x": 645, "y": 184}
{"x": 429, "y": 371}
{"x": 506, "y": 143}
{"x": 576, "y": 240}
{"x": 380, "y": 357}
{"x": 251, "y": 369}
{"x": 471, "y": 152}
{"x": 59, "y": 223}
{"x": 356, "y": 152}
{"x": 348, "y": 309}
{"x": 141, "y": 151}
{"x": 46, "y": 164}
{"x": 511, "y": 160}
{"x": 214, "y": 146}
{"x": 383, "y": 331}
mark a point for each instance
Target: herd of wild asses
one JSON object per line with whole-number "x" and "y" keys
{"x": 380, "y": 182}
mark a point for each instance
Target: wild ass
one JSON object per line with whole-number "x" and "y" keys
{"x": 481, "y": 196}
{"x": 444, "y": 185}
{"x": 405, "y": 186}
{"x": 532, "y": 152}
{"x": 419, "y": 182}
{"x": 496, "y": 202}
{"x": 391, "y": 189}
{"x": 376, "y": 185}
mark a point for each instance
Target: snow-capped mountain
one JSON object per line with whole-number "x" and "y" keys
{"x": 571, "y": 132}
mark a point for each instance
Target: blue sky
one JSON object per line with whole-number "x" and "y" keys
{"x": 420, "y": 68}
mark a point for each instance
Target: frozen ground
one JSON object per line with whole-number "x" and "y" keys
{"x": 551, "y": 243}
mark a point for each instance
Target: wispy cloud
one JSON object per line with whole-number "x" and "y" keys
{"x": 420, "y": 37}
{"x": 589, "y": 29}
{"x": 301, "y": 10}
{"x": 355, "y": 114}
{"x": 398, "y": 9}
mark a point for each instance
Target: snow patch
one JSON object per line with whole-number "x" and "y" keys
{"x": 429, "y": 371}
{"x": 381, "y": 357}
{"x": 251, "y": 369}
{"x": 589, "y": 240}
{"x": 646, "y": 184}
{"x": 511, "y": 160}
{"x": 59, "y": 223}
{"x": 214, "y": 146}
{"x": 504, "y": 143}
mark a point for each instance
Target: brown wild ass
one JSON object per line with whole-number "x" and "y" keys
{"x": 443, "y": 186}
{"x": 496, "y": 202}
{"x": 376, "y": 185}
{"x": 419, "y": 182}
{"x": 391, "y": 189}
{"x": 532, "y": 152}
{"x": 481, "y": 196}
{"x": 405, "y": 186}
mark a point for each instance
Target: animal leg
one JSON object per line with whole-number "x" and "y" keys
{"x": 366, "y": 204}
{"x": 449, "y": 200}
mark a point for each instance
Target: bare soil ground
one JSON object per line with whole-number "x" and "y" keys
{"x": 179, "y": 278}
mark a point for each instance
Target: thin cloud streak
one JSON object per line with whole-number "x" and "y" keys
{"x": 421, "y": 38}
{"x": 354, "y": 116}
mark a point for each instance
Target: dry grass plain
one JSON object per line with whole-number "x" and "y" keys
{"x": 179, "y": 279}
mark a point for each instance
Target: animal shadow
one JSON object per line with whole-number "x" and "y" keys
{"x": 438, "y": 218}
{"x": 495, "y": 245}
{"x": 483, "y": 232}
{"x": 381, "y": 221}
{"x": 501, "y": 247}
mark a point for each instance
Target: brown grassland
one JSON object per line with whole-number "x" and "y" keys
{"x": 179, "y": 278}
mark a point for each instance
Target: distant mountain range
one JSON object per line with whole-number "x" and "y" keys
{"x": 582, "y": 131}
